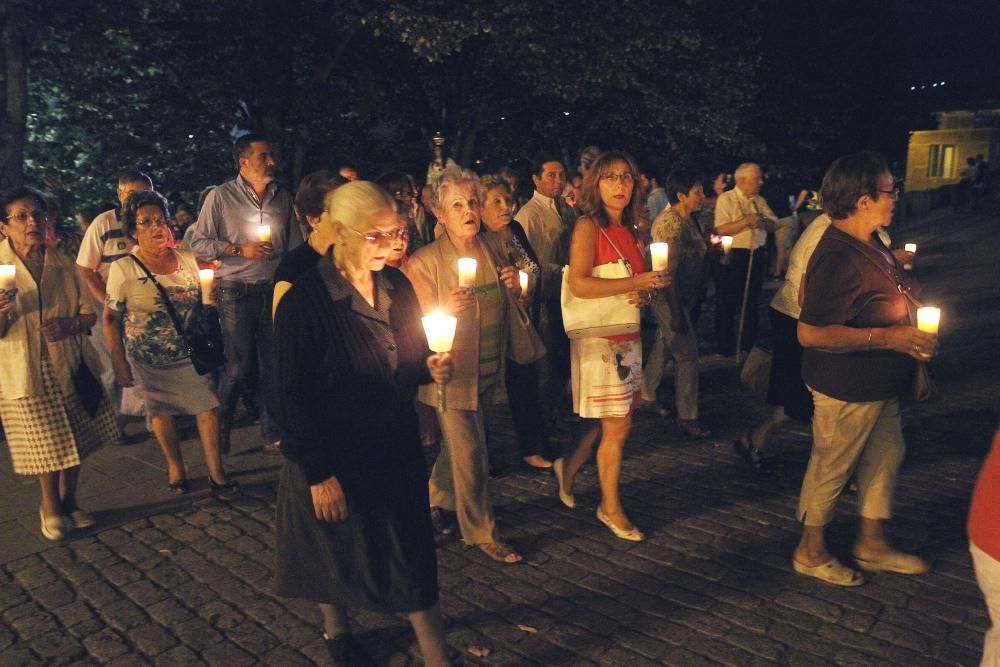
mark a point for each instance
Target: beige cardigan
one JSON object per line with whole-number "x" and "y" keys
{"x": 62, "y": 295}
{"x": 433, "y": 270}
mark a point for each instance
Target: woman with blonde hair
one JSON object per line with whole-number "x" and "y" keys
{"x": 353, "y": 525}
{"x": 607, "y": 372}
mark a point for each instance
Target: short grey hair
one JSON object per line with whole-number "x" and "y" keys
{"x": 744, "y": 169}
{"x": 456, "y": 176}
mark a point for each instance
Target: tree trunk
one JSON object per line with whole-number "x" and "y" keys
{"x": 14, "y": 91}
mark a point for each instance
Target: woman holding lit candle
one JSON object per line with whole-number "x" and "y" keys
{"x": 860, "y": 356}
{"x": 153, "y": 354}
{"x": 353, "y": 525}
{"x": 53, "y": 409}
{"x": 607, "y": 372}
{"x": 459, "y": 479}
{"x": 521, "y": 380}
{"x": 676, "y": 228}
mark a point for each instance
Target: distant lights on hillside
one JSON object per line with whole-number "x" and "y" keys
{"x": 925, "y": 86}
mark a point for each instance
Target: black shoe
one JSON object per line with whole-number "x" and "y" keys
{"x": 753, "y": 456}
{"x": 441, "y": 522}
{"x": 346, "y": 652}
{"x": 178, "y": 488}
{"x": 226, "y": 490}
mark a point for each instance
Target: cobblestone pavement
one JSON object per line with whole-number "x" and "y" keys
{"x": 190, "y": 583}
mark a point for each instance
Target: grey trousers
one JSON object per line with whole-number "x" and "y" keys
{"x": 459, "y": 479}
{"x": 684, "y": 350}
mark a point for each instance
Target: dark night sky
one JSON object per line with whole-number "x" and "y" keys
{"x": 957, "y": 41}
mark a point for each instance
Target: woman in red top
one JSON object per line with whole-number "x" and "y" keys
{"x": 984, "y": 543}
{"x": 607, "y": 372}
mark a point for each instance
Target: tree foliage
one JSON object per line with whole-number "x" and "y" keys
{"x": 166, "y": 84}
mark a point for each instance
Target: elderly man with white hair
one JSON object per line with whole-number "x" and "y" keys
{"x": 743, "y": 214}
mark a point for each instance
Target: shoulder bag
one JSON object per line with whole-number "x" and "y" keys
{"x": 203, "y": 336}
{"x": 525, "y": 345}
{"x": 603, "y": 316}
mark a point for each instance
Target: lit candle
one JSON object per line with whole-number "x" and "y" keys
{"x": 440, "y": 330}
{"x": 909, "y": 247}
{"x": 7, "y": 274}
{"x": 928, "y": 319}
{"x": 264, "y": 233}
{"x": 206, "y": 277}
{"x": 727, "y": 244}
{"x": 659, "y": 253}
{"x": 522, "y": 278}
{"x": 466, "y": 272}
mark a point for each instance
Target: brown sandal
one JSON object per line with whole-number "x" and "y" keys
{"x": 500, "y": 552}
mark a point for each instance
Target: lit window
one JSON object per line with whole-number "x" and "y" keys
{"x": 941, "y": 161}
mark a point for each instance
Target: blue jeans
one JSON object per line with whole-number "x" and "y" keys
{"x": 245, "y": 315}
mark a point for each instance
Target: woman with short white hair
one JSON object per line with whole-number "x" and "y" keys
{"x": 353, "y": 526}
{"x": 459, "y": 478}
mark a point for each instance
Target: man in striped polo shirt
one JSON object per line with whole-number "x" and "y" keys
{"x": 104, "y": 242}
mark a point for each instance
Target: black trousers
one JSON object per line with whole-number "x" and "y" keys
{"x": 524, "y": 398}
{"x": 730, "y": 282}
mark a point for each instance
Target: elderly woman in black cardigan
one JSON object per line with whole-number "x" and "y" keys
{"x": 353, "y": 525}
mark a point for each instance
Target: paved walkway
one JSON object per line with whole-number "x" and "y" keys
{"x": 188, "y": 582}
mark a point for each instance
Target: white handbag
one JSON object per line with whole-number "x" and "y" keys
{"x": 603, "y": 316}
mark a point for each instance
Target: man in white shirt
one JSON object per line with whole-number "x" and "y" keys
{"x": 104, "y": 242}
{"x": 743, "y": 214}
{"x": 548, "y": 224}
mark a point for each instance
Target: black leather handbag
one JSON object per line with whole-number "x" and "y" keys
{"x": 202, "y": 336}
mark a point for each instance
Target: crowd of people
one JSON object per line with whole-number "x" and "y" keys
{"x": 320, "y": 321}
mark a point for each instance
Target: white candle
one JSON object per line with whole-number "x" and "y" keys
{"x": 264, "y": 233}
{"x": 7, "y": 274}
{"x": 206, "y": 276}
{"x": 727, "y": 244}
{"x": 928, "y": 319}
{"x": 466, "y": 272}
{"x": 522, "y": 278}
{"x": 659, "y": 253}
{"x": 440, "y": 330}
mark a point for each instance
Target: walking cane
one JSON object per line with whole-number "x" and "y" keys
{"x": 743, "y": 309}
{"x": 746, "y": 290}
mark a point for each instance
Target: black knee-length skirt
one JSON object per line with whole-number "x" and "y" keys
{"x": 381, "y": 557}
{"x": 786, "y": 387}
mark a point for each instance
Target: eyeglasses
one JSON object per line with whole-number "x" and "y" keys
{"x": 151, "y": 222}
{"x": 893, "y": 194}
{"x": 613, "y": 178}
{"x": 37, "y": 215}
{"x": 376, "y": 238}
{"x": 403, "y": 194}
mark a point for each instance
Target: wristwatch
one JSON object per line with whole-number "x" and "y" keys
{"x": 237, "y": 251}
